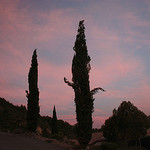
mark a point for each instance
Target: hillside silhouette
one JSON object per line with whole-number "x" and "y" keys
{"x": 13, "y": 119}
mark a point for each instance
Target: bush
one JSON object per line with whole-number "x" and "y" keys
{"x": 58, "y": 136}
{"x": 18, "y": 131}
{"x": 108, "y": 146}
{"x": 126, "y": 123}
{"x": 131, "y": 148}
{"x": 45, "y": 133}
{"x": 113, "y": 146}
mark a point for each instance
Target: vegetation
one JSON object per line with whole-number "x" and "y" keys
{"x": 33, "y": 96}
{"x": 13, "y": 119}
{"x": 126, "y": 123}
{"x": 83, "y": 96}
{"x": 108, "y": 146}
{"x": 113, "y": 146}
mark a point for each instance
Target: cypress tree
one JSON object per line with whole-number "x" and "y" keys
{"x": 54, "y": 122}
{"x": 33, "y": 95}
{"x": 83, "y": 96}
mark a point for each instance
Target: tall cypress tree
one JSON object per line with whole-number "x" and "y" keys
{"x": 83, "y": 96}
{"x": 33, "y": 95}
{"x": 54, "y": 122}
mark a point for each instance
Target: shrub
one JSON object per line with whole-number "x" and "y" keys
{"x": 108, "y": 146}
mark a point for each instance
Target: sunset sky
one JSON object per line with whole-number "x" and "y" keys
{"x": 118, "y": 42}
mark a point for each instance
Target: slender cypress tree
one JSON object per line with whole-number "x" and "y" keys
{"x": 33, "y": 95}
{"x": 83, "y": 96}
{"x": 54, "y": 122}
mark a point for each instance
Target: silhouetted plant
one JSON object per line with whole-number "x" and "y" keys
{"x": 54, "y": 122}
{"x": 12, "y": 118}
{"x": 83, "y": 96}
{"x": 126, "y": 123}
{"x": 33, "y": 95}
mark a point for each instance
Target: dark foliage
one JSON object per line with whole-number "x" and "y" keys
{"x": 65, "y": 128}
{"x": 54, "y": 122}
{"x": 33, "y": 96}
{"x": 126, "y": 123}
{"x": 12, "y": 118}
{"x": 140, "y": 142}
{"x": 108, "y": 146}
{"x": 83, "y": 96}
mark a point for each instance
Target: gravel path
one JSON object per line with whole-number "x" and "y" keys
{"x": 10, "y": 141}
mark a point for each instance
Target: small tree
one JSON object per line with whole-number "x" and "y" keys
{"x": 33, "y": 95}
{"x": 54, "y": 122}
{"x": 83, "y": 96}
{"x": 126, "y": 123}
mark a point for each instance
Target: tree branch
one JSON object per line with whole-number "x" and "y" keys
{"x": 95, "y": 90}
{"x": 69, "y": 83}
{"x": 27, "y": 93}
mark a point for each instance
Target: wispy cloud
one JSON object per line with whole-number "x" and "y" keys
{"x": 117, "y": 35}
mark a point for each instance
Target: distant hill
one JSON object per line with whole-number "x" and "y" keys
{"x": 13, "y": 119}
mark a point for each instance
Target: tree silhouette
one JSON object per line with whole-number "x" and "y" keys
{"x": 126, "y": 123}
{"x": 33, "y": 95}
{"x": 54, "y": 122}
{"x": 83, "y": 96}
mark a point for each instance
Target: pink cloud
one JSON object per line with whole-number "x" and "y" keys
{"x": 20, "y": 35}
{"x": 140, "y": 96}
{"x": 20, "y": 30}
{"x": 98, "y": 121}
{"x": 15, "y": 95}
{"x": 98, "y": 110}
{"x": 19, "y": 24}
{"x": 113, "y": 68}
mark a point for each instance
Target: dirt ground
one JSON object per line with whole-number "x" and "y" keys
{"x": 10, "y": 141}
